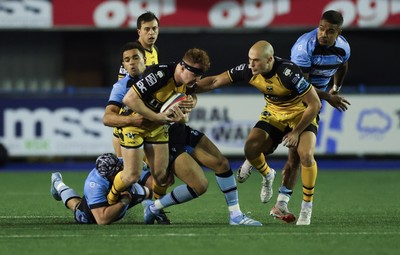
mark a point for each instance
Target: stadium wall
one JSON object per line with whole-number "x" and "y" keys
{"x": 56, "y": 60}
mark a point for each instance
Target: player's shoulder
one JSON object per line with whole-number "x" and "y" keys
{"x": 95, "y": 181}
{"x": 240, "y": 72}
{"x": 305, "y": 43}
{"x": 126, "y": 81}
{"x": 308, "y": 38}
{"x": 283, "y": 64}
{"x": 160, "y": 70}
{"x": 287, "y": 70}
{"x": 342, "y": 43}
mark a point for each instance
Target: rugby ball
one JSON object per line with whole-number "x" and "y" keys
{"x": 173, "y": 100}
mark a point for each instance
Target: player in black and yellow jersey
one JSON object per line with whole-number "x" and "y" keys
{"x": 147, "y": 26}
{"x": 188, "y": 148}
{"x": 146, "y": 97}
{"x": 289, "y": 115}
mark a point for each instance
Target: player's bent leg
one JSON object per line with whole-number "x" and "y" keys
{"x": 56, "y": 178}
{"x": 257, "y": 142}
{"x": 244, "y": 171}
{"x": 289, "y": 177}
{"x": 133, "y": 164}
{"x": 291, "y": 169}
{"x": 208, "y": 155}
{"x": 181, "y": 194}
{"x": 158, "y": 157}
{"x": 190, "y": 172}
{"x": 60, "y": 191}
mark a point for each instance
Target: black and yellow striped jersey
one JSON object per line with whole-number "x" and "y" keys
{"x": 283, "y": 86}
{"x": 157, "y": 85}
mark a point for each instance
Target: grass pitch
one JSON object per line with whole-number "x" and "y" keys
{"x": 355, "y": 212}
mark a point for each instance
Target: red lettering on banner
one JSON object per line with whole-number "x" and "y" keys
{"x": 225, "y": 13}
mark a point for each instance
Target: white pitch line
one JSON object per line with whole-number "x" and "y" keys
{"x": 30, "y": 217}
{"x": 207, "y": 235}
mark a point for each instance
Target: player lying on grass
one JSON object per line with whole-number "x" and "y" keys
{"x": 93, "y": 207}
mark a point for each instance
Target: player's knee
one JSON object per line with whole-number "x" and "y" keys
{"x": 160, "y": 179}
{"x": 131, "y": 178}
{"x": 222, "y": 165}
{"x": 306, "y": 158}
{"x": 201, "y": 187}
{"x": 253, "y": 148}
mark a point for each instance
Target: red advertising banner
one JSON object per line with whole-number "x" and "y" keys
{"x": 225, "y": 14}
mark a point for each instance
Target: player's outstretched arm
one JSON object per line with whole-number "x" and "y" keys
{"x": 213, "y": 82}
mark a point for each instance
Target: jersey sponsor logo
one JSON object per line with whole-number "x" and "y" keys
{"x": 160, "y": 74}
{"x": 238, "y": 68}
{"x": 141, "y": 87}
{"x": 151, "y": 79}
{"x": 302, "y": 85}
{"x": 295, "y": 78}
{"x": 287, "y": 72}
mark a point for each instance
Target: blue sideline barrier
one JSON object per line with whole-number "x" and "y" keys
{"x": 323, "y": 164}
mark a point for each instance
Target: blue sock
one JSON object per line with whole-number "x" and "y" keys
{"x": 227, "y": 184}
{"x": 284, "y": 190}
{"x": 181, "y": 194}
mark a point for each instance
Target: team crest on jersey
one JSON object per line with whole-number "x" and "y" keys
{"x": 130, "y": 135}
{"x": 287, "y": 72}
{"x": 269, "y": 89}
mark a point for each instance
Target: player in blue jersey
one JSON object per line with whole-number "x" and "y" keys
{"x": 289, "y": 116}
{"x": 321, "y": 54}
{"x": 93, "y": 207}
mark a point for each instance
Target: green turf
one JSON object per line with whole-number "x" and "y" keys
{"x": 355, "y": 212}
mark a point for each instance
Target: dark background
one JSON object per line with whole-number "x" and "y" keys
{"x": 90, "y": 59}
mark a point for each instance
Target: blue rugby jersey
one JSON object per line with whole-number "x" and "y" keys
{"x": 320, "y": 62}
{"x": 120, "y": 88}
